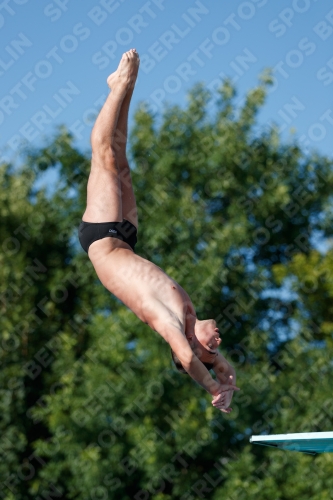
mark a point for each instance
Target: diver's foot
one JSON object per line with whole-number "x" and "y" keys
{"x": 126, "y": 74}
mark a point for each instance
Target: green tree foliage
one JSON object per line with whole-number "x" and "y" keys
{"x": 92, "y": 407}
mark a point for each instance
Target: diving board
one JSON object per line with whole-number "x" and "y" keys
{"x": 307, "y": 442}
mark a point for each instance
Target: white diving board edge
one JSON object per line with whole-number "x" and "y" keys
{"x": 306, "y": 442}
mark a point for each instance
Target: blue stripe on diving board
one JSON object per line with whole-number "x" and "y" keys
{"x": 306, "y": 442}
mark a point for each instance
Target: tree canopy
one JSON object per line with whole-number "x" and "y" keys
{"x": 92, "y": 407}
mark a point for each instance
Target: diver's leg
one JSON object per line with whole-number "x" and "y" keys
{"x": 104, "y": 202}
{"x": 129, "y": 209}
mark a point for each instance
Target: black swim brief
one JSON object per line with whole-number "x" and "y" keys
{"x": 93, "y": 231}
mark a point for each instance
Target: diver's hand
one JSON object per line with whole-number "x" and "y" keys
{"x": 223, "y": 398}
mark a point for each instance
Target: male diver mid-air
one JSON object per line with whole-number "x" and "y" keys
{"x": 108, "y": 233}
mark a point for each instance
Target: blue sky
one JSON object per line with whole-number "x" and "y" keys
{"x": 55, "y": 58}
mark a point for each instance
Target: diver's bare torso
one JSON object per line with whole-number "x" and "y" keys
{"x": 142, "y": 286}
